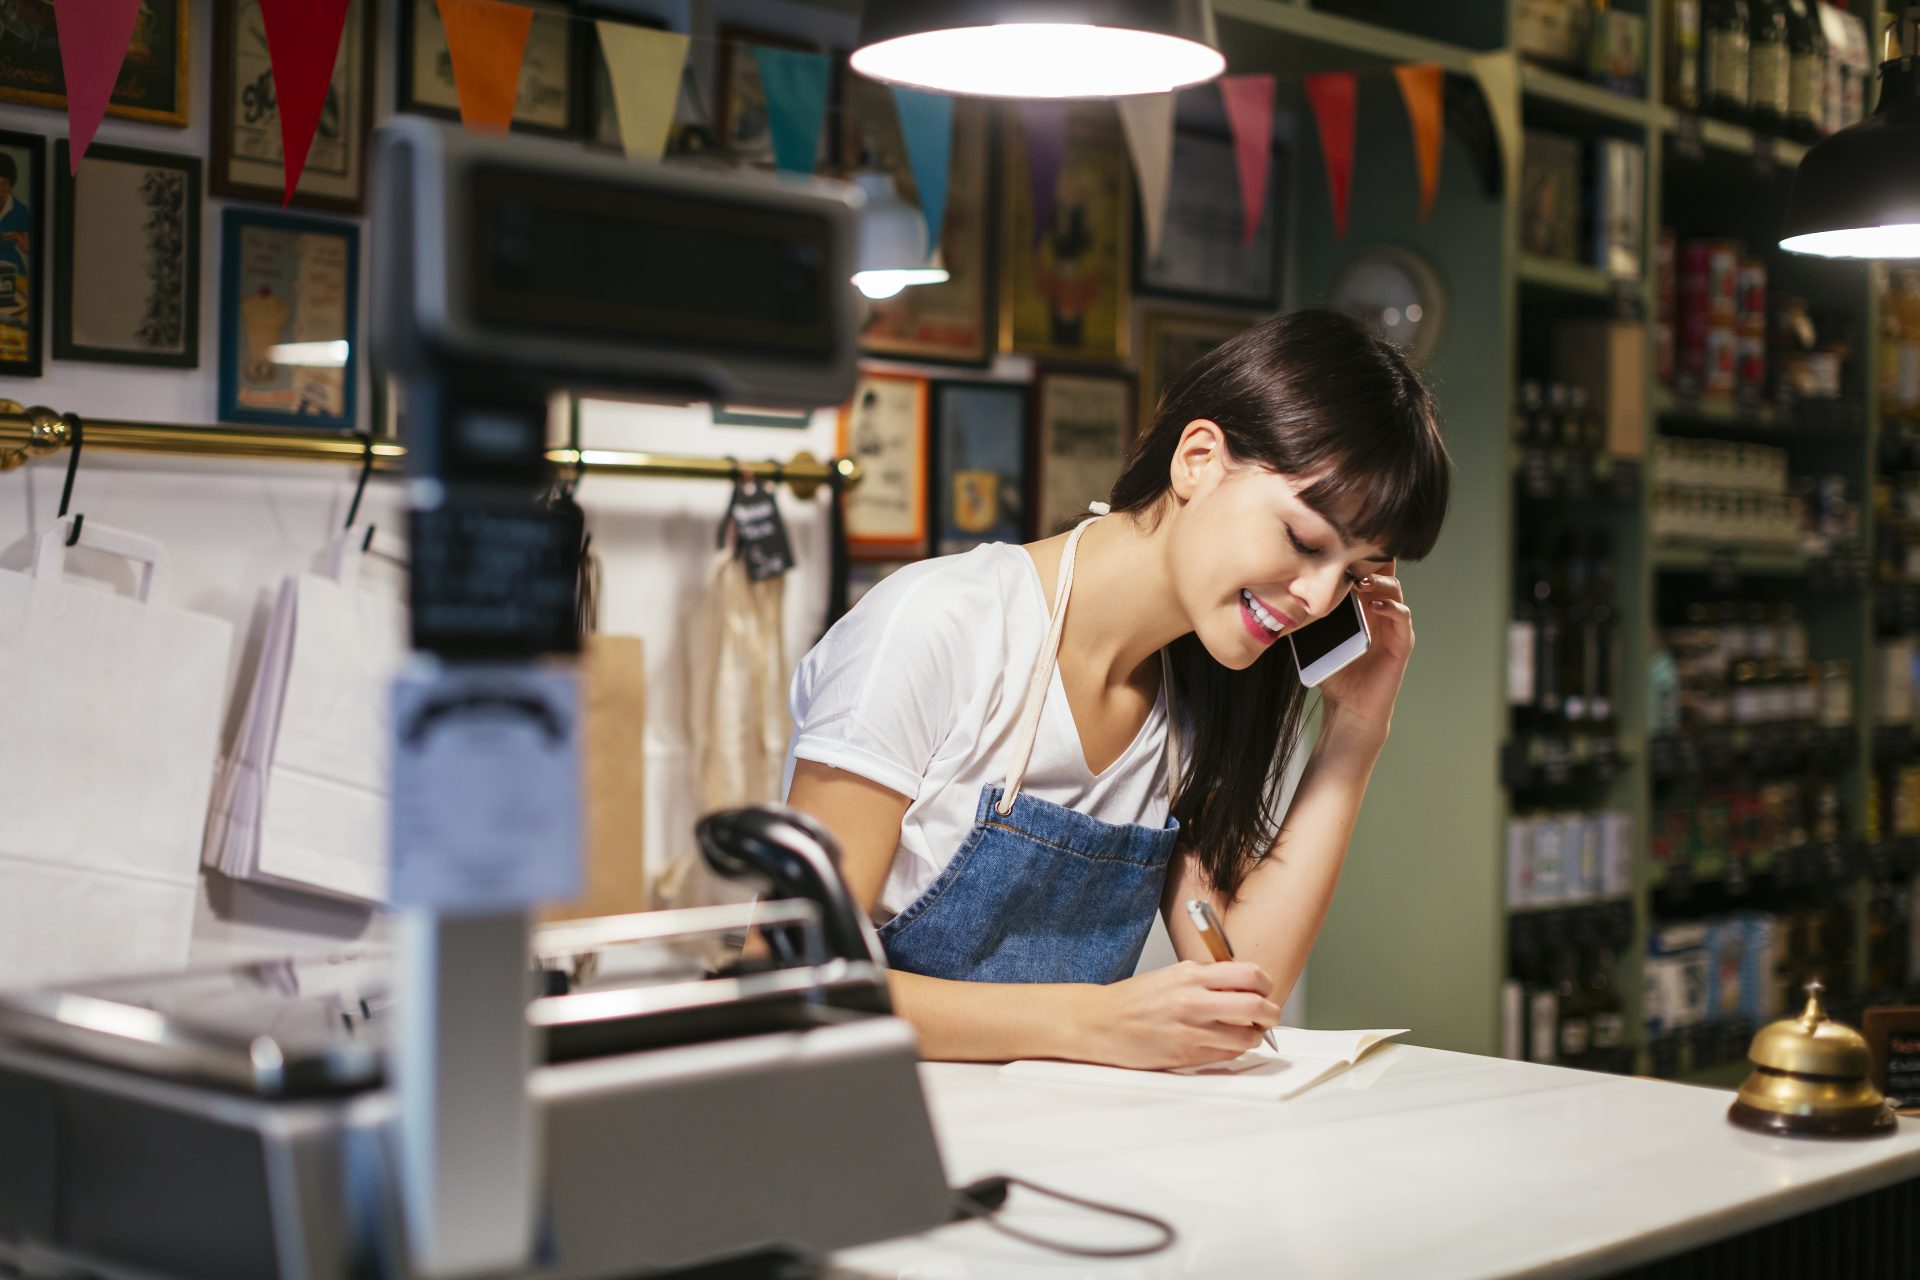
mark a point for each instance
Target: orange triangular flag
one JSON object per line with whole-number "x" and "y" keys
{"x": 1421, "y": 85}
{"x": 487, "y": 41}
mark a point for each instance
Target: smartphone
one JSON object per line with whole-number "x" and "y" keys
{"x": 1325, "y": 645}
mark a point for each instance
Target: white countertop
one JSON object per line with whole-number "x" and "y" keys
{"x": 1417, "y": 1162}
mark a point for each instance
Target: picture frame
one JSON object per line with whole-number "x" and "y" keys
{"x": 951, "y": 323}
{"x": 552, "y": 77}
{"x": 742, "y": 129}
{"x": 1893, "y": 1045}
{"x": 246, "y": 161}
{"x": 23, "y": 253}
{"x": 1067, "y": 295}
{"x": 601, "y": 125}
{"x": 128, "y": 215}
{"x": 289, "y": 281}
{"x": 1203, "y": 256}
{"x": 884, "y": 428}
{"x": 1170, "y": 341}
{"x": 981, "y": 486}
{"x": 1083, "y": 430}
{"x": 153, "y": 85}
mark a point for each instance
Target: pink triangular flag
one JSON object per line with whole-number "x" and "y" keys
{"x": 303, "y": 40}
{"x": 94, "y": 35}
{"x": 1148, "y": 119}
{"x": 1249, "y": 102}
{"x": 1334, "y": 95}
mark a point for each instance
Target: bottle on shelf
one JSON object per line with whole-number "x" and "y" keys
{"x": 1521, "y": 660}
{"x": 1548, "y": 635}
{"x": 1769, "y": 65}
{"x": 1725, "y": 86}
{"x": 1578, "y": 644}
{"x": 1574, "y": 1029}
{"x": 1683, "y": 54}
{"x": 1806, "y": 71}
{"x": 1527, "y": 412}
{"x": 1606, "y": 1015}
{"x": 1603, "y": 619}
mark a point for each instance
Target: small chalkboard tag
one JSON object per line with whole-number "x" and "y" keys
{"x": 1688, "y": 142}
{"x": 1893, "y": 1041}
{"x": 760, "y": 535}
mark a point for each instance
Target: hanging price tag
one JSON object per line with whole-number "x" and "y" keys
{"x": 760, "y": 535}
{"x": 1688, "y": 143}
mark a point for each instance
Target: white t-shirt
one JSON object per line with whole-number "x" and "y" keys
{"x": 919, "y": 688}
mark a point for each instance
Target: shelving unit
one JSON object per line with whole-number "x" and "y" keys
{"x": 1419, "y": 933}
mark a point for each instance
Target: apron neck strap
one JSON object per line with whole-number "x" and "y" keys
{"x": 1042, "y": 676}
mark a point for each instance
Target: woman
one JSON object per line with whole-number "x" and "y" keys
{"x": 1018, "y": 787}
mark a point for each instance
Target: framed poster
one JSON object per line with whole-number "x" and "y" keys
{"x": 23, "y": 247}
{"x": 127, "y": 257}
{"x": 247, "y": 160}
{"x": 1084, "y": 429}
{"x": 289, "y": 345}
{"x": 1170, "y": 341}
{"x": 948, "y": 323}
{"x": 1065, "y": 287}
{"x": 153, "y": 83}
{"x": 603, "y": 120}
{"x": 551, "y": 94}
{"x": 1203, "y": 254}
{"x": 884, "y": 429}
{"x": 744, "y": 127}
{"x": 980, "y": 490}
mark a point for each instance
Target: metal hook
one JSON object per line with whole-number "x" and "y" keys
{"x": 360, "y": 487}
{"x": 779, "y": 473}
{"x": 76, "y": 436}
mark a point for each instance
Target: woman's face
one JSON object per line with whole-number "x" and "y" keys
{"x": 1253, "y": 561}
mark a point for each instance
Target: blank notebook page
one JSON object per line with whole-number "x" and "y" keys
{"x": 1304, "y": 1059}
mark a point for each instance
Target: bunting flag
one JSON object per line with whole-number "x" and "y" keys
{"x": 1333, "y": 96}
{"x": 1249, "y": 101}
{"x": 796, "y": 89}
{"x": 1421, "y": 84}
{"x": 1043, "y": 131}
{"x": 1499, "y": 77}
{"x": 926, "y": 122}
{"x": 487, "y": 41}
{"x": 644, "y": 67}
{"x": 1148, "y": 119}
{"x": 94, "y": 36}
{"x": 303, "y": 42}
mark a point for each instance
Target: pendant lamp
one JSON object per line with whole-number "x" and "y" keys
{"x": 893, "y": 241}
{"x": 1857, "y": 194}
{"x": 1040, "y": 48}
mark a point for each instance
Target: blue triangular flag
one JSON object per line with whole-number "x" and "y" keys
{"x": 796, "y": 89}
{"x": 926, "y": 121}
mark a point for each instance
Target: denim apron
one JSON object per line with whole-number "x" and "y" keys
{"x": 1039, "y": 892}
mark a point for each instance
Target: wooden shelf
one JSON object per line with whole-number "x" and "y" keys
{"x": 1585, "y": 97}
{"x": 1565, "y": 277}
{"x": 1746, "y": 563}
{"x": 1735, "y": 139}
{"x": 1346, "y": 39}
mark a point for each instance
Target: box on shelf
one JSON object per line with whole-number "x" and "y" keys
{"x": 1619, "y": 51}
{"x": 1609, "y": 359}
{"x": 1676, "y": 978}
{"x": 1619, "y": 207}
{"x": 1554, "y": 31}
{"x": 1550, "y": 196}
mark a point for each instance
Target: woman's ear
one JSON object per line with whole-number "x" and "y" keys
{"x": 1202, "y": 448}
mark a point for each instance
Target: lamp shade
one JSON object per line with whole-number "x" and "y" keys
{"x": 1857, "y": 194}
{"x": 1040, "y": 48}
{"x": 893, "y": 241}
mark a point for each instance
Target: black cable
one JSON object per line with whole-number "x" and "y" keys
{"x": 982, "y": 1199}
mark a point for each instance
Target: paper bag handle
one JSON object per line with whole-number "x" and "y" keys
{"x": 50, "y": 552}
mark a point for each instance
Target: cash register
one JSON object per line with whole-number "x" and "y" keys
{"x": 615, "y": 1097}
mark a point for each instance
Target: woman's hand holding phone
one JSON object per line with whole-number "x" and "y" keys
{"x": 1185, "y": 1015}
{"x": 1365, "y": 690}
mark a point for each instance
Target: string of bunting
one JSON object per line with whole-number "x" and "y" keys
{"x": 486, "y": 40}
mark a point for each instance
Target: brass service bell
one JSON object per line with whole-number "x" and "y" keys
{"x": 1811, "y": 1079}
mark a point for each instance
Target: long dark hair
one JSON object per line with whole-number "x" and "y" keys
{"x": 1310, "y": 392}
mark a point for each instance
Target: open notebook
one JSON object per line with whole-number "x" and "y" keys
{"x": 1304, "y": 1059}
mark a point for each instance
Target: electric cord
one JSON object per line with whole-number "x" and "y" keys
{"x": 981, "y": 1200}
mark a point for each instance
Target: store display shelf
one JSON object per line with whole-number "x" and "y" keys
{"x": 1688, "y": 757}
{"x": 1688, "y": 136}
{"x": 1585, "y": 97}
{"x": 1575, "y": 476}
{"x": 1754, "y": 418}
{"x": 1604, "y": 922}
{"x": 1559, "y": 276}
{"x": 1721, "y": 876}
{"x": 1894, "y": 742}
{"x": 1316, "y": 40}
{"x": 1840, "y": 571}
{"x": 1537, "y": 762}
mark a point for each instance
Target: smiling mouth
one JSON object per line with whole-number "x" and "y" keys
{"x": 1270, "y": 619}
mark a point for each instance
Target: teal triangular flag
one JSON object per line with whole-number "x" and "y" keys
{"x": 796, "y": 89}
{"x": 926, "y": 121}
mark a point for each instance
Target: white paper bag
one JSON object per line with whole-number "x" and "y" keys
{"x": 110, "y": 714}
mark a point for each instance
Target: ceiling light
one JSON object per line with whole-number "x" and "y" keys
{"x": 1040, "y": 48}
{"x": 893, "y": 241}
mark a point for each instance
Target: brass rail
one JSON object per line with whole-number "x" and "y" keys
{"x": 30, "y": 432}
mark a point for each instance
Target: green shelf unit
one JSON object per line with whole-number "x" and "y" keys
{"x": 1559, "y": 276}
{"x": 1552, "y": 95}
{"x": 1735, "y": 563}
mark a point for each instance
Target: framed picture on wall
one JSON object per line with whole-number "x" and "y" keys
{"x": 551, "y": 97}
{"x": 23, "y": 248}
{"x": 1170, "y": 341}
{"x": 127, "y": 257}
{"x": 980, "y": 484}
{"x": 884, "y": 429}
{"x": 289, "y": 350}
{"x": 742, "y": 122}
{"x": 152, "y": 86}
{"x": 951, "y": 322}
{"x": 1204, "y": 255}
{"x": 247, "y": 161}
{"x": 1065, "y": 287}
{"x": 1084, "y": 427}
